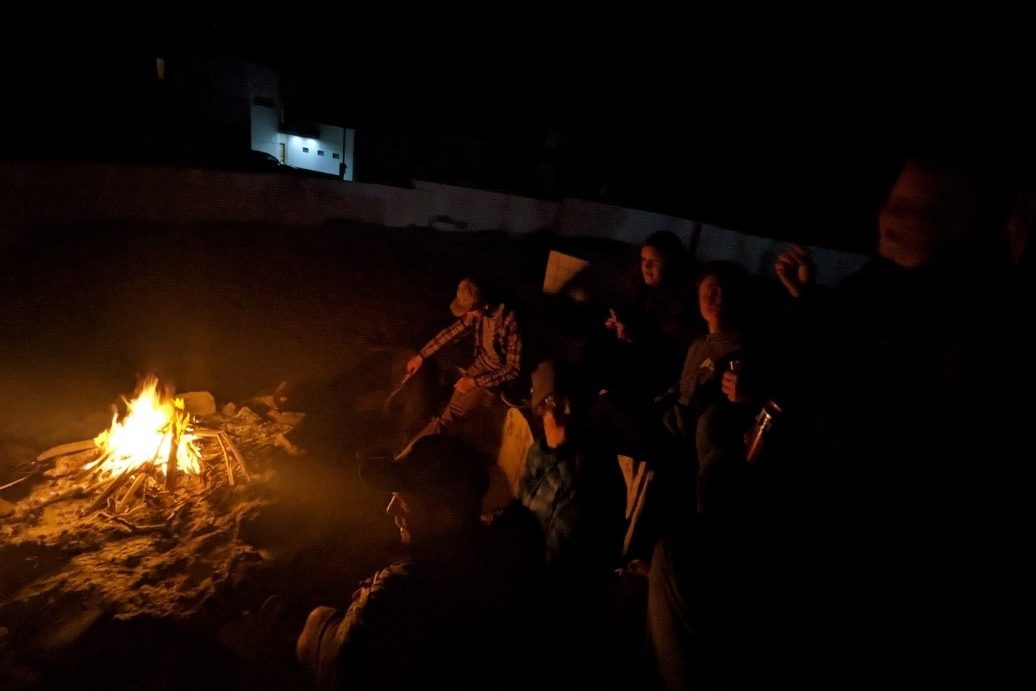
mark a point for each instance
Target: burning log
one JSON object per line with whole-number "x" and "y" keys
{"x": 237, "y": 456}
{"x": 127, "y": 498}
{"x": 226, "y": 459}
{"x": 227, "y": 449}
{"x": 170, "y": 464}
{"x": 153, "y": 422}
{"x": 178, "y": 423}
{"x": 67, "y": 449}
{"x": 74, "y": 493}
{"x": 138, "y": 468}
{"x": 68, "y": 457}
{"x": 115, "y": 484}
{"x": 73, "y": 463}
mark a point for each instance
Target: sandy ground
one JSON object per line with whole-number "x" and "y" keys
{"x": 233, "y": 309}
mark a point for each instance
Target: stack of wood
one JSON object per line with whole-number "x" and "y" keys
{"x": 150, "y": 485}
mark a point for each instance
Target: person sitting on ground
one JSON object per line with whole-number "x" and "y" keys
{"x": 450, "y": 615}
{"x": 498, "y": 352}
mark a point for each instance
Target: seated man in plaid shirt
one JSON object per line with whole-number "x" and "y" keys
{"x": 498, "y": 350}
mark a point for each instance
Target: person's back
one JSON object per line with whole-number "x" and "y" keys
{"x": 454, "y": 613}
{"x": 450, "y": 621}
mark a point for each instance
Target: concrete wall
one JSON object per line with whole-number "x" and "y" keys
{"x": 35, "y": 194}
{"x": 473, "y": 209}
{"x": 581, "y": 217}
{"x": 757, "y": 254}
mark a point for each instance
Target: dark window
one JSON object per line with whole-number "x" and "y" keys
{"x": 335, "y": 156}
{"x": 319, "y": 152}
{"x": 305, "y": 149}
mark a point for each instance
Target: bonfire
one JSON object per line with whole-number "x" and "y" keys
{"x": 145, "y": 518}
{"x": 148, "y": 450}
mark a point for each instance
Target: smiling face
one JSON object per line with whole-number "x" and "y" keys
{"x": 909, "y": 220}
{"x": 942, "y": 211}
{"x": 710, "y": 301}
{"x": 652, "y": 265}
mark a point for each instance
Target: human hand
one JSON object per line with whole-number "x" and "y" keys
{"x": 729, "y": 385}
{"x": 795, "y": 270}
{"x": 614, "y": 324}
{"x": 633, "y": 581}
{"x": 413, "y": 364}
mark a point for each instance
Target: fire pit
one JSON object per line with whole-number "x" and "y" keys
{"x": 134, "y": 465}
{"x": 145, "y": 518}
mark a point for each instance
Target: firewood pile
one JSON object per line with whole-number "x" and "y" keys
{"x": 154, "y": 533}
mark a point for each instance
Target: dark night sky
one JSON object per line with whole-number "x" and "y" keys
{"x": 732, "y": 130}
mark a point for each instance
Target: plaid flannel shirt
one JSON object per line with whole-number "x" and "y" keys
{"x": 507, "y": 344}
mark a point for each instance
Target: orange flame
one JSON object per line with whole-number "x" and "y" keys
{"x": 145, "y": 433}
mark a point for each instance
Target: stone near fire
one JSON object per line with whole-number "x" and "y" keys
{"x": 199, "y": 403}
{"x": 285, "y": 417}
{"x": 245, "y": 416}
{"x": 282, "y": 442}
{"x": 264, "y": 402}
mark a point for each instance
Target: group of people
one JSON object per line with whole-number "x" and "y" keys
{"x": 869, "y": 544}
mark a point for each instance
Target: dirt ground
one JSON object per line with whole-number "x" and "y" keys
{"x": 236, "y": 310}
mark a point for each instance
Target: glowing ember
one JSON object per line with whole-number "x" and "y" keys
{"x": 145, "y": 434}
